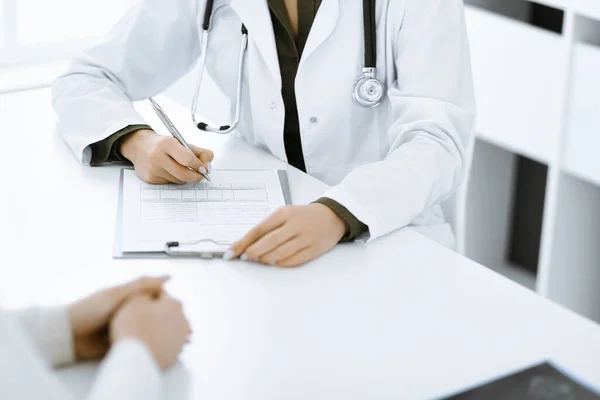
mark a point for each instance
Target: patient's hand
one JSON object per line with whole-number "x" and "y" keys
{"x": 159, "y": 323}
{"x": 90, "y": 317}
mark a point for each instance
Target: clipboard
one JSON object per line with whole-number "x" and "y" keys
{"x": 203, "y": 248}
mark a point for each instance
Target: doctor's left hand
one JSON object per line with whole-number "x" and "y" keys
{"x": 291, "y": 236}
{"x": 90, "y": 316}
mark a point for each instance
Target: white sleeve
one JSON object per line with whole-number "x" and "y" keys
{"x": 129, "y": 372}
{"x": 432, "y": 109}
{"x": 24, "y": 373}
{"x": 153, "y": 45}
{"x": 50, "y": 330}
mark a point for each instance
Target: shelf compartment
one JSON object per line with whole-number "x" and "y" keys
{"x": 505, "y": 205}
{"x": 541, "y": 15}
{"x": 547, "y": 17}
{"x": 583, "y": 123}
{"x": 515, "y": 9}
{"x": 515, "y": 273}
{"x": 489, "y": 204}
{"x": 504, "y": 212}
{"x": 587, "y": 30}
{"x": 528, "y": 214}
{"x": 574, "y": 275}
{"x": 518, "y": 70}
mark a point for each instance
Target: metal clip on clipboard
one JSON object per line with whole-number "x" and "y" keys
{"x": 205, "y": 248}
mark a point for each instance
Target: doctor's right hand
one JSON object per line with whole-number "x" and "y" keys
{"x": 159, "y": 323}
{"x": 162, "y": 159}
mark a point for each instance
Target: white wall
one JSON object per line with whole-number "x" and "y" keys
{"x": 37, "y": 37}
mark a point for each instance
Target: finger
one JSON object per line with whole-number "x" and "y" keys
{"x": 272, "y": 222}
{"x": 270, "y": 242}
{"x": 145, "y": 285}
{"x": 284, "y": 251}
{"x": 159, "y": 181}
{"x": 205, "y": 155}
{"x": 164, "y": 174}
{"x": 301, "y": 257}
{"x": 179, "y": 171}
{"x": 184, "y": 157}
{"x": 150, "y": 177}
{"x": 139, "y": 298}
{"x": 150, "y": 285}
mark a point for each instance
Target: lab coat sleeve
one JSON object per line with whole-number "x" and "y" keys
{"x": 129, "y": 372}
{"x": 153, "y": 45}
{"x": 50, "y": 330}
{"x": 432, "y": 115}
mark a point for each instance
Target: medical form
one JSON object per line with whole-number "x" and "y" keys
{"x": 222, "y": 210}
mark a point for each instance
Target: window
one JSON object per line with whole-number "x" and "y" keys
{"x": 37, "y": 31}
{"x": 70, "y": 19}
{"x": 38, "y": 37}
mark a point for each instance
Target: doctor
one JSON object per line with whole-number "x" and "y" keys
{"x": 372, "y": 97}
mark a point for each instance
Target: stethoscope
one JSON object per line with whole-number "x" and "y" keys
{"x": 367, "y": 91}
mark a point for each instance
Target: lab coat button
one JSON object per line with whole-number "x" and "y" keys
{"x": 273, "y": 105}
{"x": 313, "y": 120}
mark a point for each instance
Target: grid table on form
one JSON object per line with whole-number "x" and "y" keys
{"x": 205, "y": 192}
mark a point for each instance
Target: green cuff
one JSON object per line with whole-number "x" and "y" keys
{"x": 107, "y": 150}
{"x": 354, "y": 228}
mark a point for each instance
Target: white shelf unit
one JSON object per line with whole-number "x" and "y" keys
{"x": 490, "y": 201}
{"x": 538, "y": 97}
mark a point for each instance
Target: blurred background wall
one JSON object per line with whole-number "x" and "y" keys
{"x": 532, "y": 201}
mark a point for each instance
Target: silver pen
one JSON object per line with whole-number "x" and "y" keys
{"x": 174, "y": 132}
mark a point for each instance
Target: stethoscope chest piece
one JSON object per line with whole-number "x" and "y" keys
{"x": 368, "y": 90}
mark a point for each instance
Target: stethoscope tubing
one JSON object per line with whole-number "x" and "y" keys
{"x": 238, "y": 103}
{"x": 368, "y": 82}
{"x": 370, "y": 34}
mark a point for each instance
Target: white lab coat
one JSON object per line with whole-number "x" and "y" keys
{"x": 34, "y": 341}
{"x": 390, "y": 166}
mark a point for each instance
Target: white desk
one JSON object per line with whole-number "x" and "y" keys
{"x": 401, "y": 318}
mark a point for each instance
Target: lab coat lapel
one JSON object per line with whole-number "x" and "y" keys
{"x": 255, "y": 15}
{"x": 324, "y": 24}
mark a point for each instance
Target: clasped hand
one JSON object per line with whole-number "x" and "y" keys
{"x": 139, "y": 310}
